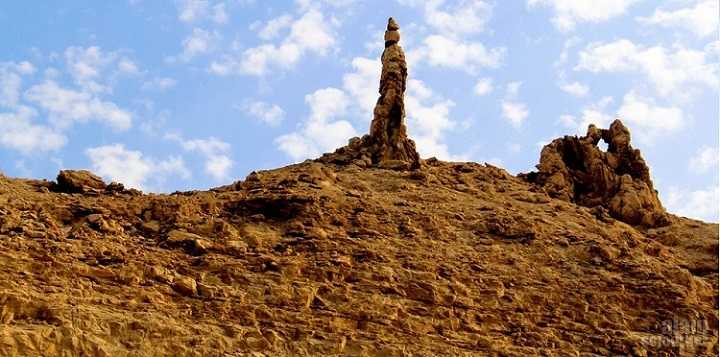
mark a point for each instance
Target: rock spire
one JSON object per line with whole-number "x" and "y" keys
{"x": 387, "y": 145}
{"x": 388, "y": 126}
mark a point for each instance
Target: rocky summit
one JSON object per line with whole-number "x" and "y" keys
{"x": 367, "y": 251}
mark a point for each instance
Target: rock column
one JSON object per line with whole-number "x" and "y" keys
{"x": 388, "y": 133}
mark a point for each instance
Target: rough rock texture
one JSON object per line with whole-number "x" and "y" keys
{"x": 314, "y": 259}
{"x": 85, "y": 182}
{"x": 78, "y": 181}
{"x": 574, "y": 169}
{"x": 387, "y": 145}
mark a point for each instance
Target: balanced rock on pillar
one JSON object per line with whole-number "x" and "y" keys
{"x": 387, "y": 145}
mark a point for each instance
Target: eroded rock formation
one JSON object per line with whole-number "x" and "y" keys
{"x": 85, "y": 182}
{"x": 387, "y": 145}
{"x": 574, "y": 169}
{"x": 78, "y": 181}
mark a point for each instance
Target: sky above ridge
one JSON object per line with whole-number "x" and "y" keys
{"x": 192, "y": 94}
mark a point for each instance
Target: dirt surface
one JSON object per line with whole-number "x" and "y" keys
{"x": 452, "y": 259}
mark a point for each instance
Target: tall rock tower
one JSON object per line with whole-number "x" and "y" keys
{"x": 387, "y": 145}
{"x": 387, "y": 131}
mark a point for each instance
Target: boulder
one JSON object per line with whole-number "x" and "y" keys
{"x": 78, "y": 181}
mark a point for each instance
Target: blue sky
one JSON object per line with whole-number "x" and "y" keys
{"x": 191, "y": 94}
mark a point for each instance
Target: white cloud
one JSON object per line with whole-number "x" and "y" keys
{"x": 428, "y": 118}
{"x": 215, "y": 151}
{"x": 443, "y": 51}
{"x": 648, "y": 118}
{"x": 466, "y": 17}
{"x": 220, "y": 15}
{"x": 273, "y": 27}
{"x": 128, "y": 67}
{"x": 483, "y": 86}
{"x": 320, "y": 132}
{"x": 311, "y": 33}
{"x": 569, "y": 43}
{"x": 131, "y": 168}
{"x": 66, "y": 106}
{"x": 199, "y": 42}
{"x": 595, "y": 113}
{"x": 514, "y": 111}
{"x": 705, "y": 159}
{"x": 17, "y": 132}
{"x": 576, "y": 89}
{"x": 699, "y": 204}
{"x": 362, "y": 83}
{"x": 314, "y": 4}
{"x": 270, "y": 114}
{"x": 86, "y": 66}
{"x": 11, "y": 74}
{"x": 10, "y": 84}
{"x": 677, "y": 71}
{"x": 160, "y": 84}
{"x": 568, "y": 13}
{"x": 192, "y": 10}
{"x": 700, "y": 19}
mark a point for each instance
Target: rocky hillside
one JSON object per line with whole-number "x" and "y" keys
{"x": 367, "y": 251}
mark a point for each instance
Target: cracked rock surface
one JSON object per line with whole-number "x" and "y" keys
{"x": 315, "y": 259}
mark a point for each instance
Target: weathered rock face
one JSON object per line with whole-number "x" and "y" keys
{"x": 313, "y": 259}
{"x": 387, "y": 145}
{"x": 78, "y": 181}
{"x": 574, "y": 169}
{"x": 388, "y": 127}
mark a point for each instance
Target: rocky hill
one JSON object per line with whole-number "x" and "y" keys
{"x": 367, "y": 251}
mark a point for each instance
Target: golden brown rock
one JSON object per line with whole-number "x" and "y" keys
{"x": 574, "y": 169}
{"x": 388, "y": 140}
{"x": 452, "y": 259}
{"x": 78, "y": 181}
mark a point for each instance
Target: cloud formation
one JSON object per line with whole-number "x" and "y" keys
{"x": 132, "y": 168}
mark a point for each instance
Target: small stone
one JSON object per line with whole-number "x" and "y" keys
{"x": 160, "y": 274}
{"x": 392, "y": 37}
{"x": 206, "y": 291}
{"x": 151, "y": 226}
{"x": 236, "y": 248}
{"x": 394, "y": 165}
{"x": 186, "y": 286}
{"x": 190, "y": 242}
{"x": 392, "y": 25}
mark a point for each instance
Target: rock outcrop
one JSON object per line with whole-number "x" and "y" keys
{"x": 78, "y": 181}
{"x": 387, "y": 145}
{"x": 86, "y": 182}
{"x": 574, "y": 169}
